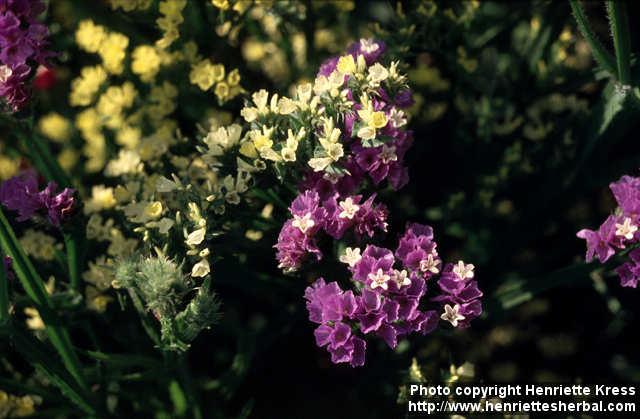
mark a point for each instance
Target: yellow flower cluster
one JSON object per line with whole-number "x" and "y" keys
{"x": 205, "y": 75}
{"x": 171, "y": 11}
{"x": 55, "y": 127}
{"x": 39, "y": 245}
{"x": 85, "y": 87}
{"x": 145, "y": 62}
{"x": 17, "y": 406}
{"x": 111, "y": 46}
{"x": 130, "y": 5}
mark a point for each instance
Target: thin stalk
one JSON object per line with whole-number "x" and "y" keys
{"x": 4, "y": 293}
{"x": 73, "y": 260}
{"x": 601, "y": 55}
{"x": 34, "y": 287}
{"x": 619, "y": 22}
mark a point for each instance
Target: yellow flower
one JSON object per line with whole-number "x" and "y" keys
{"x": 233, "y": 79}
{"x": 221, "y": 4}
{"x": 55, "y": 126}
{"x": 90, "y": 36}
{"x": 128, "y": 137}
{"x": 346, "y": 64}
{"x": 85, "y": 87}
{"x": 128, "y": 161}
{"x": 145, "y": 62}
{"x": 101, "y": 198}
{"x": 378, "y": 119}
{"x": 222, "y": 91}
{"x": 113, "y": 52}
{"x": 38, "y": 245}
{"x": 8, "y": 167}
{"x": 130, "y": 5}
{"x": 68, "y": 158}
{"x": 153, "y": 210}
{"x": 203, "y": 74}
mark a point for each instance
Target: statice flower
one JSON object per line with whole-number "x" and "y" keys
{"x": 23, "y": 45}
{"x": 388, "y": 300}
{"x": 618, "y": 231}
{"x": 21, "y": 194}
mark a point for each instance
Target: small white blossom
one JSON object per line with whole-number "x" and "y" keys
{"x": 463, "y": 271}
{"x": 201, "y": 269}
{"x": 388, "y": 154}
{"x": 452, "y": 315}
{"x": 397, "y": 118}
{"x": 349, "y": 209}
{"x": 430, "y": 264}
{"x": 304, "y": 223}
{"x": 379, "y": 279}
{"x": 401, "y": 278}
{"x": 627, "y": 229}
{"x": 368, "y": 45}
{"x": 196, "y": 237}
{"x": 351, "y": 256}
{"x": 5, "y": 73}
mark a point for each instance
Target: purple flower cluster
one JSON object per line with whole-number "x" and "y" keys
{"x": 619, "y": 231}
{"x": 391, "y": 290}
{"x": 21, "y": 193}
{"x": 333, "y": 216}
{"x": 23, "y": 42}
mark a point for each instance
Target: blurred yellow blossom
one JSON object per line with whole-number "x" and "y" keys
{"x": 55, "y": 126}
{"x": 113, "y": 52}
{"x": 90, "y": 36}
{"x": 145, "y": 62}
{"x": 85, "y": 87}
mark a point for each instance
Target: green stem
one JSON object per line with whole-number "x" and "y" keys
{"x": 619, "y": 22}
{"x": 34, "y": 287}
{"x": 601, "y": 55}
{"x": 4, "y": 293}
{"x": 73, "y": 260}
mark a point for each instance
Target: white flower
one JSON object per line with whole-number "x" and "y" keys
{"x": 377, "y": 73}
{"x": 351, "y": 256}
{"x": 451, "y": 314}
{"x": 463, "y": 271}
{"x": 397, "y": 118}
{"x": 349, "y": 209}
{"x": 318, "y": 164}
{"x": 368, "y": 45}
{"x": 401, "y": 278}
{"x": 196, "y": 237}
{"x": 430, "y": 264}
{"x": 626, "y": 229}
{"x": 388, "y": 154}
{"x": 379, "y": 279}
{"x": 304, "y": 223}
{"x": 5, "y": 73}
{"x": 201, "y": 269}
{"x": 367, "y": 133}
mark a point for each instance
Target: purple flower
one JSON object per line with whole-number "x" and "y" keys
{"x": 23, "y": 41}
{"x": 418, "y": 251}
{"x": 460, "y": 293}
{"x": 601, "y": 243}
{"x": 293, "y": 246}
{"x": 627, "y": 194}
{"x": 21, "y": 194}
{"x": 629, "y": 272}
{"x": 327, "y": 67}
{"x": 370, "y": 49}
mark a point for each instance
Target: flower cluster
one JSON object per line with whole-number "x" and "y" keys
{"x": 334, "y": 216}
{"x": 23, "y": 43}
{"x": 389, "y": 291}
{"x": 619, "y": 231}
{"x": 358, "y": 139}
{"x": 21, "y": 193}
